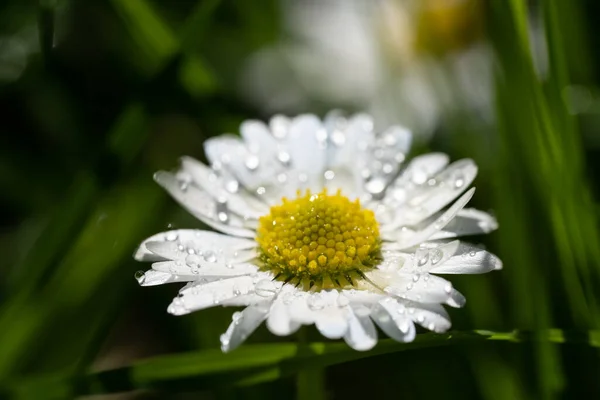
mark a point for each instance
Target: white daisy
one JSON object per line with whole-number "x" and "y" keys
{"x": 321, "y": 223}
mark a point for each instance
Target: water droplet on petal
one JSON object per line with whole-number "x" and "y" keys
{"x": 423, "y": 259}
{"x": 315, "y": 301}
{"x": 232, "y": 186}
{"x": 343, "y": 300}
{"x": 329, "y": 175}
{"x": 252, "y": 162}
{"x": 288, "y": 298}
{"x": 403, "y": 326}
{"x": 375, "y": 186}
{"x": 171, "y": 236}
{"x": 431, "y": 326}
{"x": 448, "y": 287}
{"x": 210, "y": 256}
{"x": 435, "y": 256}
{"x": 265, "y": 288}
{"x": 236, "y": 317}
{"x": 140, "y": 276}
{"x": 283, "y": 157}
{"x": 420, "y": 318}
{"x": 416, "y": 277}
{"x": 459, "y": 181}
{"x": 223, "y": 217}
{"x": 472, "y": 254}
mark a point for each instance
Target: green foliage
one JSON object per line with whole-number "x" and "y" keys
{"x": 113, "y": 91}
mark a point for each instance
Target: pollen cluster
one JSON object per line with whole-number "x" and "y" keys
{"x": 319, "y": 240}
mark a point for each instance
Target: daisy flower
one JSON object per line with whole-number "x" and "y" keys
{"x": 320, "y": 222}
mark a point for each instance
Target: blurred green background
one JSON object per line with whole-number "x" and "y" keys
{"x": 97, "y": 95}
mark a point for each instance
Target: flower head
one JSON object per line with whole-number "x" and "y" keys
{"x": 321, "y": 223}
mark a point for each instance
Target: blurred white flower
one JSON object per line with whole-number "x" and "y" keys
{"x": 321, "y": 225}
{"x": 366, "y": 55}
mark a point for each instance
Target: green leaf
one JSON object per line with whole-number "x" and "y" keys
{"x": 252, "y": 364}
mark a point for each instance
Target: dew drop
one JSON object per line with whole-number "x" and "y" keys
{"x": 416, "y": 277}
{"x": 210, "y": 256}
{"x": 315, "y": 302}
{"x": 252, "y": 162}
{"x": 420, "y": 318}
{"x": 435, "y": 256}
{"x": 387, "y": 168}
{"x": 343, "y": 300}
{"x": 261, "y": 190}
{"x": 236, "y": 317}
{"x": 140, "y": 276}
{"x": 448, "y": 287}
{"x": 265, "y": 288}
{"x": 222, "y": 216}
{"x": 431, "y": 326}
{"x": 409, "y": 286}
{"x": 232, "y": 186}
{"x": 403, "y": 326}
{"x": 472, "y": 254}
{"x": 338, "y": 138}
{"x": 375, "y": 186}
{"x": 224, "y": 341}
{"x": 329, "y": 175}
{"x": 288, "y": 298}
{"x": 459, "y": 181}
{"x": 283, "y": 157}
{"x": 171, "y": 236}
{"x": 423, "y": 259}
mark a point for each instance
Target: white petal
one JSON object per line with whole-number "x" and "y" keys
{"x": 153, "y": 278}
{"x": 426, "y": 259}
{"x": 469, "y": 259}
{"x": 307, "y": 149}
{"x": 391, "y": 317}
{"x": 427, "y": 200}
{"x": 206, "y": 270}
{"x": 384, "y": 158}
{"x": 468, "y": 221}
{"x": 258, "y": 138}
{"x": 426, "y": 289}
{"x": 224, "y": 190}
{"x": 243, "y": 324}
{"x": 197, "y": 240}
{"x": 203, "y": 206}
{"x": 252, "y": 170}
{"x": 280, "y": 126}
{"x": 430, "y": 316}
{"x": 421, "y": 169}
{"x": 420, "y": 236}
{"x": 332, "y": 322}
{"x": 361, "y": 334}
{"x": 279, "y": 321}
{"x": 204, "y": 295}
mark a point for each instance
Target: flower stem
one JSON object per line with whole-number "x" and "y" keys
{"x": 310, "y": 382}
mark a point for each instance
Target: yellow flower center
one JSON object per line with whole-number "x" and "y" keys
{"x": 319, "y": 240}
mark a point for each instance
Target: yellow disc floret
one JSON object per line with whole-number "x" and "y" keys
{"x": 319, "y": 240}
